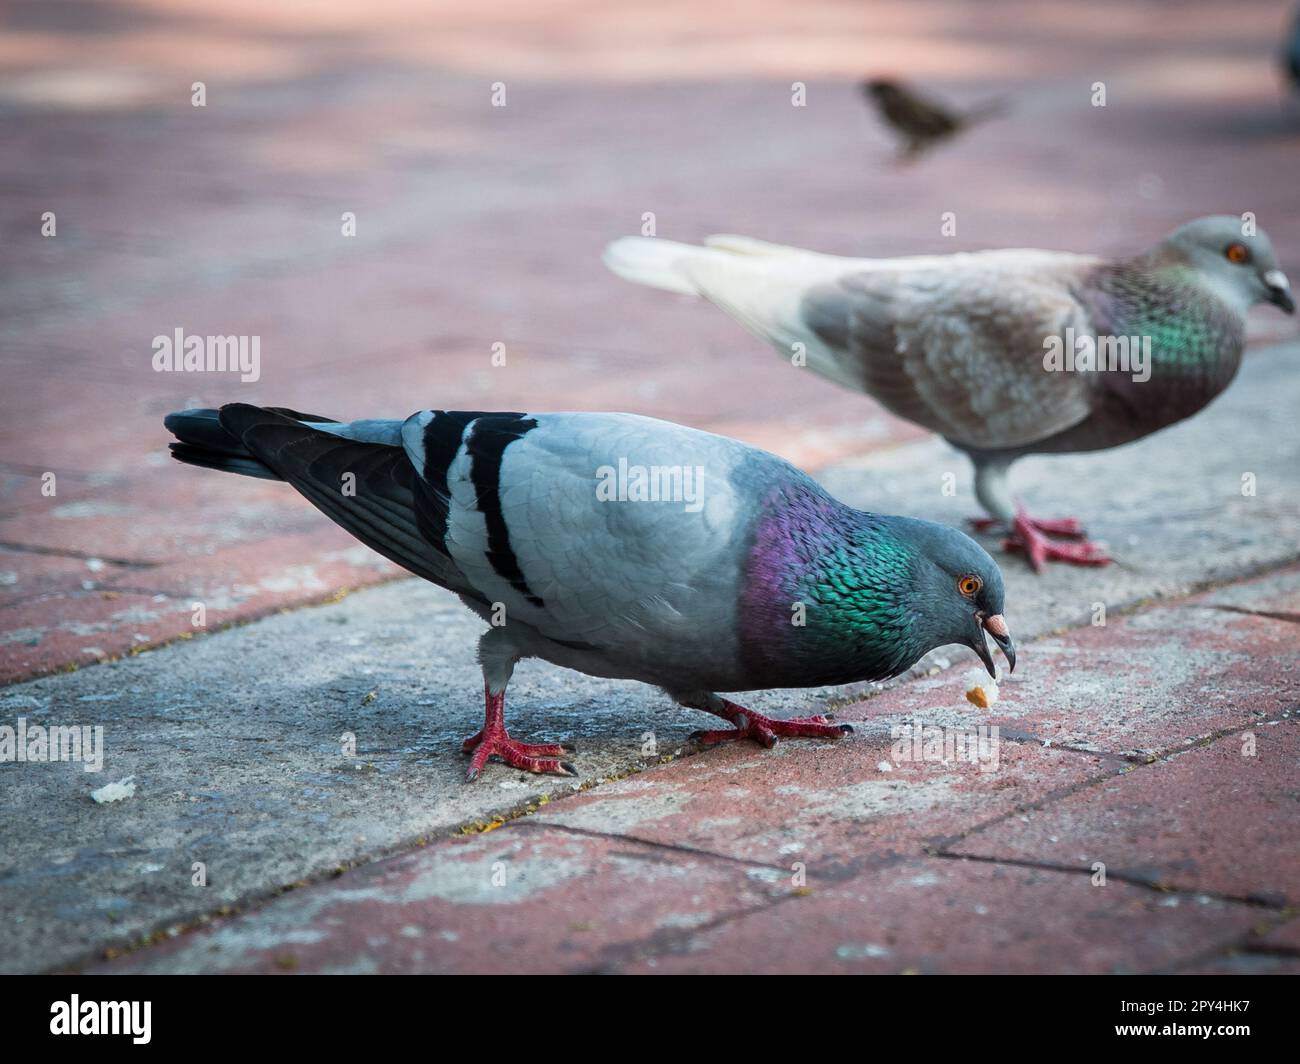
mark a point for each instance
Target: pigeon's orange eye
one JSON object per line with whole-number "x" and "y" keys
{"x": 1238, "y": 253}
{"x": 968, "y": 585}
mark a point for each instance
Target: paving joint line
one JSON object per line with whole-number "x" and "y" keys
{"x": 671, "y": 847}
{"x": 671, "y": 941}
{"x": 942, "y": 844}
{"x": 1272, "y": 615}
{"x": 1267, "y": 904}
{"x": 1244, "y": 943}
{"x": 63, "y": 552}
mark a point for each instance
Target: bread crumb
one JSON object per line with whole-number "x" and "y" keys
{"x": 981, "y": 689}
{"x": 115, "y": 792}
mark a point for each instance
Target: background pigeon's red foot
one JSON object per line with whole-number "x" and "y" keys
{"x": 766, "y": 730}
{"x": 493, "y": 740}
{"x": 1027, "y": 535}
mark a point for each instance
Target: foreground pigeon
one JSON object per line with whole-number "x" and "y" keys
{"x": 626, "y": 547}
{"x": 989, "y": 348}
{"x": 919, "y": 122}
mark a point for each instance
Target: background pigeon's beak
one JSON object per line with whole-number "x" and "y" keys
{"x": 1279, "y": 290}
{"x": 996, "y": 626}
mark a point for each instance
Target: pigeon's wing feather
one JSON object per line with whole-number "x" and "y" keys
{"x": 764, "y": 293}
{"x": 761, "y": 285}
{"x": 363, "y": 482}
{"x": 961, "y": 350}
{"x": 530, "y": 526}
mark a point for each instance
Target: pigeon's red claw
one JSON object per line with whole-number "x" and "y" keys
{"x": 493, "y": 740}
{"x": 765, "y": 730}
{"x": 1061, "y": 526}
{"x": 1027, "y": 534}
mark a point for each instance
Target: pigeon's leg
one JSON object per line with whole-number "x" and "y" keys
{"x": 763, "y": 730}
{"x": 1027, "y": 535}
{"x": 995, "y": 496}
{"x": 492, "y": 740}
{"x": 992, "y": 491}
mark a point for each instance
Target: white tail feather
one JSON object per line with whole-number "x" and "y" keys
{"x": 657, "y": 263}
{"x": 747, "y": 245}
{"x": 761, "y": 285}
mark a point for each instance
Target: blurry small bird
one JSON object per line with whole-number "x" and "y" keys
{"x": 1291, "y": 53}
{"x": 920, "y": 122}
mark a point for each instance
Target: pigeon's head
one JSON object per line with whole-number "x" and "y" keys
{"x": 957, "y": 592}
{"x": 1241, "y": 267}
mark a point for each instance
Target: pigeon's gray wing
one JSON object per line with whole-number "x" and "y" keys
{"x": 535, "y": 520}
{"x": 961, "y": 350}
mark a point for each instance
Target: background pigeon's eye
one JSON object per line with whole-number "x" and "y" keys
{"x": 1238, "y": 253}
{"x": 968, "y": 585}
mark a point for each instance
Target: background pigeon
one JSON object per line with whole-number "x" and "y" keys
{"x": 747, "y": 576}
{"x": 957, "y": 343}
{"x": 920, "y": 122}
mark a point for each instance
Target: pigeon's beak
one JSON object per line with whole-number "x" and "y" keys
{"x": 996, "y": 626}
{"x": 1279, "y": 290}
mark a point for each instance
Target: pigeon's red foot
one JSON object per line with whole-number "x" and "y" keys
{"x": 1027, "y": 534}
{"x": 492, "y": 740}
{"x": 766, "y": 730}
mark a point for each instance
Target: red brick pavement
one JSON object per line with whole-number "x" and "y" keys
{"x": 480, "y": 224}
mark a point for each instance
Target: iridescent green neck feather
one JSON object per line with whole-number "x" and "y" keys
{"x": 1194, "y": 334}
{"x": 825, "y": 598}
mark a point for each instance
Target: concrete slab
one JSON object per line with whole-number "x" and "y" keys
{"x": 101, "y": 610}
{"x": 864, "y": 907}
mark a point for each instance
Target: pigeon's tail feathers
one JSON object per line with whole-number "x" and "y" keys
{"x": 767, "y": 295}
{"x": 747, "y": 245}
{"x": 673, "y": 267}
{"x": 356, "y": 473}
{"x": 202, "y": 440}
{"x": 655, "y": 263}
{"x": 759, "y": 284}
